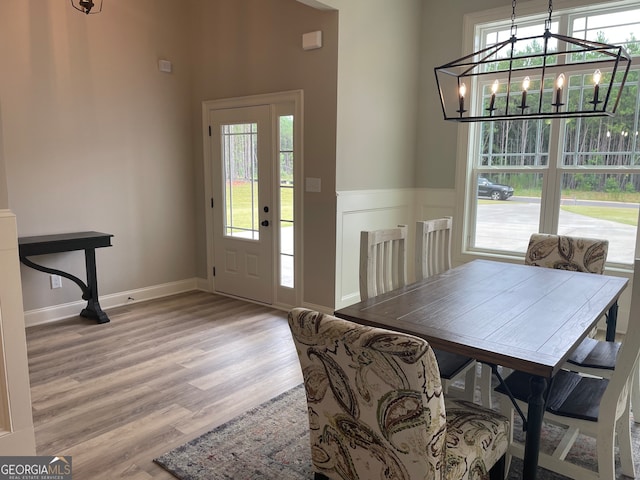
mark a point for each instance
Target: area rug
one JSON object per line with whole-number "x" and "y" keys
{"x": 271, "y": 442}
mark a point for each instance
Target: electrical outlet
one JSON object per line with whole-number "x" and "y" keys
{"x": 56, "y": 281}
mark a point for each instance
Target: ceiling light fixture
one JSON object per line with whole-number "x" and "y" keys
{"x": 86, "y": 6}
{"x": 569, "y": 77}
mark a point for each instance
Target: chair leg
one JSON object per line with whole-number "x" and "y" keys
{"x": 605, "y": 448}
{"x": 485, "y": 385}
{"x": 508, "y": 411}
{"x": 470, "y": 383}
{"x": 498, "y": 471}
{"x": 624, "y": 443}
{"x": 635, "y": 393}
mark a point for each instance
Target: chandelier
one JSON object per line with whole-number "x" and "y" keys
{"x": 567, "y": 77}
{"x": 86, "y": 6}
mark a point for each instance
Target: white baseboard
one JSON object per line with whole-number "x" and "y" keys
{"x": 203, "y": 285}
{"x": 58, "y": 312}
{"x": 318, "y": 308}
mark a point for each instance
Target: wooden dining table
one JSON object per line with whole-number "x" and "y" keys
{"x": 520, "y": 317}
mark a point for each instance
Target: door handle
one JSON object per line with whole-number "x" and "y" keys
{"x": 265, "y": 223}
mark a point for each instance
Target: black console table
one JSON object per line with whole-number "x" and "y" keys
{"x": 67, "y": 242}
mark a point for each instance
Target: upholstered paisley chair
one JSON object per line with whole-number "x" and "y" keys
{"x": 567, "y": 253}
{"x": 377, "y": 410}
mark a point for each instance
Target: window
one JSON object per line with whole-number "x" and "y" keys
{"x": 286, "y": 200}
{"x": 578, "y": 176}
{"x": 240, "y": 170}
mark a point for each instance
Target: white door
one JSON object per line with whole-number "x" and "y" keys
{"x": 242, "y": 192}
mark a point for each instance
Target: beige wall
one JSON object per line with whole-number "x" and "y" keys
{"x": 249, "y": 47}
{"x": 4, "y": 193}
{"x": 377, "y": 90}
{"x": 96, "y": 138}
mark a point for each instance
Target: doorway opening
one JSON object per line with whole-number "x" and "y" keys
{"x": 253, "y": 172}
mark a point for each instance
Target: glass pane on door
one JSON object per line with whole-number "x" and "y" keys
{"x": 286, "y": 201}
{"x": 240, "y": 170}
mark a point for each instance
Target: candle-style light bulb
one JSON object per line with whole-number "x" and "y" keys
{"x": 559, "y": 85}
{"x": 462, "y": 91}
{"x": 597, "y": 76}
{"x": 494, "y": 90}
{"x": 525, "y": 86}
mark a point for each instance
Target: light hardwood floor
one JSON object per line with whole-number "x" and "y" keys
{"x": 114, "y": 396}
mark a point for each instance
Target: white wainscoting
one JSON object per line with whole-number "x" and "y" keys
{"x": 374, "y": 209}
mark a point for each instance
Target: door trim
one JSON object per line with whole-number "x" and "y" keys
{"x": 16, "y": 421}
{"x": 282, "y": 297}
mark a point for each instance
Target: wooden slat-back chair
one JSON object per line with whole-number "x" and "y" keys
{"x": 433, "y": 256}
{"x": 433, "y": 246}
{"x": 383, "y": 260}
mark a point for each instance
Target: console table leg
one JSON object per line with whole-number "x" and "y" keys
{"x": 93, "y": 309}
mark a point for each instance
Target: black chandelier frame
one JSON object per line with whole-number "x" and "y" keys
{"x": 87, "y": 6}
{"x": 502, "y": 65}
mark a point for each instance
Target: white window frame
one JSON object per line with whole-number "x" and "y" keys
{"x": 465, "y": 211}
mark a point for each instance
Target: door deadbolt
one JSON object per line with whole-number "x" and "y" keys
{"x": 265, "y": 223}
